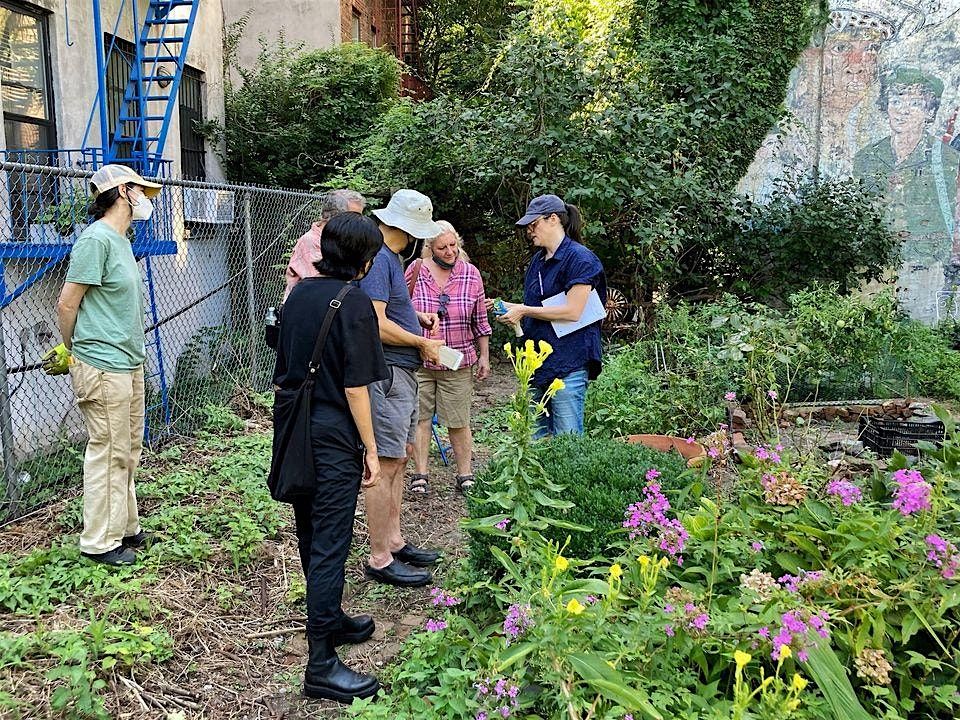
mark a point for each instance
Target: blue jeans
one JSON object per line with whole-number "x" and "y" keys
{"x": 566, "y": 407}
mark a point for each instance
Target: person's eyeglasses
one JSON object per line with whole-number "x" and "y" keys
{"x": 442, "y": 307}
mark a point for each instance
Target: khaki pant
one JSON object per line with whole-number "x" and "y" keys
{"x": 112, "y": 404}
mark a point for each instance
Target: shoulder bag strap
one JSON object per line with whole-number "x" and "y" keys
{"x": 325, "y": 328}
{"x": 414, "y": 276}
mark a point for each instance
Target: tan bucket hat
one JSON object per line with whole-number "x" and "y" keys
{"x": 111, "y": 176}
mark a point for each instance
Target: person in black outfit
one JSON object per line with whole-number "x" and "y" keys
{"x": 344, "y": 449}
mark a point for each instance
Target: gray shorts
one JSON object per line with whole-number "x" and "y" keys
{"x": 393, "y": 404}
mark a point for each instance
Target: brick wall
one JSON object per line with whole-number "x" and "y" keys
{"x": 371, "y": 14}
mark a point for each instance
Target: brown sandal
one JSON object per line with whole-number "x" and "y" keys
{"x": 419, "y": 484}
{"x": 465, "y": 482}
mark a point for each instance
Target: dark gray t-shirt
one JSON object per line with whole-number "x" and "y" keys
{"x": 385, "y": 283}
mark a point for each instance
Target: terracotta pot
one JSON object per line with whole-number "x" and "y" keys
{"x": 693, "y": 453}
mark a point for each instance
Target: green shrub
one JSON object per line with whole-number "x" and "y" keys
{"x": 602, "y": 477}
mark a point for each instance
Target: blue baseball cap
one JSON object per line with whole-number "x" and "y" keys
{"x": 539, "y": 207}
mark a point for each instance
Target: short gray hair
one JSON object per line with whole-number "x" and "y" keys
{"x": 338, "y": 201}
{"x": 447, "y": 229}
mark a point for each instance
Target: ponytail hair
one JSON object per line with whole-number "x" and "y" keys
{"x": 103, "y": 202}
{"x": 572, "y": 222}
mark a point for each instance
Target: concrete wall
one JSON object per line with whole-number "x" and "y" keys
{"x": 315, "y": 23}
{"x": 877, "y": 97}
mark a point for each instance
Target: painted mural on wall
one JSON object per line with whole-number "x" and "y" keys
{"x": 878, "y": 97}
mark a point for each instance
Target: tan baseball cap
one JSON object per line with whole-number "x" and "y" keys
{"x": 111, "y": 176}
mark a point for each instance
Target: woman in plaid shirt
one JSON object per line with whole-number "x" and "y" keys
{"x": 444, "y": 282}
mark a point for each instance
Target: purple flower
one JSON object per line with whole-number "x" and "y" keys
{"x": 439, "y": 597}
{"x": 779, "y": 447}
{"x": 912, "y": 493}
{"x": 848, "y": 493}
{"x": 772, "y": 394}
{"x": 700, "y": 621}
{"x": 590, "y": 599}
{"x": 436, "y": 625}
{"x": 802, "y": 655}
{"x": 668, "y": 608}
{"x": 796, "y": 583}
{"x": 944, "y": 555}
{"x": 691, "y": 440}
{"x": 756, "y": 546}
{"x": 730, "y": 396}
{"x": 481, "y": 715}
{"x": 668, "y": 629}
{"x": 652, "y": 474}
{"x": 505, "y": 711}
{"x": 764, "y": 632}
{"x": 761, "y": 453}
{"x": 517, "y": 622}
{"x": 502, "y": 525}
{"x": 793, "y": 632}
{"x": 713, "y": 452}
{"x": 649, "y": 515}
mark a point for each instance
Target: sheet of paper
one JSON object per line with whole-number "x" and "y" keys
{"x": 450, "y": 358}
{"x": 592, "y": 312}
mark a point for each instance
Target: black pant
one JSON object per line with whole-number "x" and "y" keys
{"x": 325, "y": 531}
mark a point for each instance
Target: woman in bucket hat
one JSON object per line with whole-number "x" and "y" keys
{"x": 100, "y": 314}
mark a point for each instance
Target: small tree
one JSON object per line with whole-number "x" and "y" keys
{"x": 296, "y": 116}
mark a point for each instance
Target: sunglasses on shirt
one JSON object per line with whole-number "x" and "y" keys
{"x": 442, "y": 307}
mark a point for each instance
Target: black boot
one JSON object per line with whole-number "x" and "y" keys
{"x": 328, "y": 678}
{"x": 354, "y": 630}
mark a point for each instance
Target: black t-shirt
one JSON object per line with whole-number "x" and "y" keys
{"x": 352, "y": 355}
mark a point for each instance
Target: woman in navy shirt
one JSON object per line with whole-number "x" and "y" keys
{"x": 560, "y": 265}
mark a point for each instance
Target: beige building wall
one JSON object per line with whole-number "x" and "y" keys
{"x": 315, "y": 23}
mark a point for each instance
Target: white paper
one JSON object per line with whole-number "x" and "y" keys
{"x": 450, "y": 358}
{"x": 592, "y": 312}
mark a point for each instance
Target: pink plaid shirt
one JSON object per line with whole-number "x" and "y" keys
{"x": 305, "y": 253}
{"x": 466, "y": 316}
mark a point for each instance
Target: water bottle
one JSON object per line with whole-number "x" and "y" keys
{"x": 272, "y": 328}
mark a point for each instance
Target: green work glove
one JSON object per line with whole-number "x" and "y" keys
{"x": 57, "y": 361}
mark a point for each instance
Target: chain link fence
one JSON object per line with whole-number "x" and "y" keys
{"x": 211, "y": 258}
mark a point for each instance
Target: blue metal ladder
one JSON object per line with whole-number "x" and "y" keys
{"x": 151, "y": 94}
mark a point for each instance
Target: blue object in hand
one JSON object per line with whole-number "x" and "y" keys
{"x": 499, "y": 308}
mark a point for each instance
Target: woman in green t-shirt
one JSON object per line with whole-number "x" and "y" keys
{"x": 100, "y": 313}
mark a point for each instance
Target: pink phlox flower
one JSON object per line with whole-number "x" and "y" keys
{"x": 944, "y": 555}
{"x": 778, "y": 448}
{"x": 649, "y": 515}
{"x": 713, "y": 452}
{"x": 756, "y": 546}
{"x": 730, "y": 396}
{"x": 668, "y": 630}
{"x": 761, "y": 453}
{"x": 794, "y": 627}
{"x": 772, "y": 394}
{"x": 700, "y": 621}
{"x": 652, "y": 474}
{"x": 796, "y": 583}
{"x": 436, "y": 625}
{"x": 691, "y": 440}
{"x": 517, "y": 622}
{"x": 912, "y": 493}
{"x": 439, "y": 597}
{"x": 764, "y": 632}
{"x": 481, "y": 715}
{"x": 849, "y": 493}
{"x": 502, "y": 525}
{"x": 668, "y": 608}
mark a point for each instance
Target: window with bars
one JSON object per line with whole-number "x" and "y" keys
{"x": 122, "y": 54}
{"x": 193, "y": 149}
{"x": 28, "y": 117}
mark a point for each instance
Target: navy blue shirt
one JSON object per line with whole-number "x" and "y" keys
{"x": 385, "y": 283}
{"x": 572, "y": 264}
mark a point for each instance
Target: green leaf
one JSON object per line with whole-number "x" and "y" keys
{"x": 509, "y": 565}
{"x": 831, "y": 677}
{"x": 548, "y": 501}
{"x": 628, "y": 697}
{"x": 566, "y": 525}
{"x": 514, "y": 654}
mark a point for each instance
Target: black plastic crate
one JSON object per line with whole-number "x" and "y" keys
{"x": 884, "y": 436}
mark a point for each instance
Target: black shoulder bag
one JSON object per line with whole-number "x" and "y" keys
{"x": 292, "y": 472}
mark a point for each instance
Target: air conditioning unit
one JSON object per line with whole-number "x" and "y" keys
{"x": 214, "y": 207}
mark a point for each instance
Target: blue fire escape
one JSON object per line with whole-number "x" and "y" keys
{"x": 161, "y": 41}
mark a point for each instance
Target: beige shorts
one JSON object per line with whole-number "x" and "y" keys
{"x": 448, "y": 393}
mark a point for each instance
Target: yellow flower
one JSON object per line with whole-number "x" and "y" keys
{"x": 545, "y": 348}
{"x": 528, "y": 347}
{"x": 785, "y": 652}
{"x": 663, "y": 563}
{"x": 644, "y": 560}
{"x": 574, "y": 607}
{"x": 508, "y": 349}
{"x": 561, "y": 563}
{"x": 555, "y": 387}
{"x": 616, "y": 572}
{"x": 793, "y": 705}
{"x": 742, "y": 658}
{"x": 612, "y": 666}
{"x": 798, "y": 683}
{"x": 146, "y": 630}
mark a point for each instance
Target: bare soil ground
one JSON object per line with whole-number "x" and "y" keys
{"x": 239, "y": 646}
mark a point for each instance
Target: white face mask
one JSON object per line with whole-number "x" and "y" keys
{"x": 142, "y": 208}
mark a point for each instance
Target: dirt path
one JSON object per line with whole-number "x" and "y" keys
{"x": 239, "y": 649}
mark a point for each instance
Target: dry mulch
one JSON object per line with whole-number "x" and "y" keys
{"x": 239, "y": 647}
